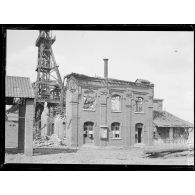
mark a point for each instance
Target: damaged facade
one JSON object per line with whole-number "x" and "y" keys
{"x": 105, "y": 111}
{"x": 101, "y": 111}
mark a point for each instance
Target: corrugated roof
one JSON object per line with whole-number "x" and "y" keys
{"x": 19, "y": 87}
{"x": 99, "y": 81}
{"x": 166, "y": 119}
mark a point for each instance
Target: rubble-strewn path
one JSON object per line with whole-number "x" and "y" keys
{"x": 98, "y": 155}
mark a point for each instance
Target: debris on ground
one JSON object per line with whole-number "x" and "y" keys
{"x": 97, "y": 155}
{"x": 169, "y": 150}
{"x": 180, "y": 154}
{"x": 52, "y": 141}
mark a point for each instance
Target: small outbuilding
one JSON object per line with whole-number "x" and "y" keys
{"x": 169, "y": 128}
{"x": 19, "y": 91}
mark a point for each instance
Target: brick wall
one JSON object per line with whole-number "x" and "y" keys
{"x": 29, "y": 116}
{"x": 103, "y": 115}
{"x": 68, "y": 117}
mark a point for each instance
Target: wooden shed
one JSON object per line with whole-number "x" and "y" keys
{"x": 19, "y": 91}
{"x": 169, "y": 128}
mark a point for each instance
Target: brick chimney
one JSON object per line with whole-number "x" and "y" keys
{"x": 105, "y": 68}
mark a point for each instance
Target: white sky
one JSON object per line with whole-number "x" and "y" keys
{"x": 164, "y": 58}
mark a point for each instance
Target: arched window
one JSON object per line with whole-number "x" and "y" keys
{"x": 115, "y": 128}
{"x": 139, "y": 104}
{"x": 116, "y": 103}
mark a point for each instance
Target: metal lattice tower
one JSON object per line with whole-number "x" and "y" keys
{"x": 48, "y": 86}
{"x": 46, "y": 89}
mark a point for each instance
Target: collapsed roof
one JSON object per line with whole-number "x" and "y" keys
{"x": 99, "y": 81}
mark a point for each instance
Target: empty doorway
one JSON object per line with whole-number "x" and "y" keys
{"x": 88, "y": 136}
{"x": 138, "y": 133}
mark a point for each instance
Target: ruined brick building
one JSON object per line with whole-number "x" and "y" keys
{"x": 85, "y": 110}
{"x": 102, "y": 111}
{"x": 105, "y": 111}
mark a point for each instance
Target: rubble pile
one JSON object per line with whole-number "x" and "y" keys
{"x": 51, "y": 141}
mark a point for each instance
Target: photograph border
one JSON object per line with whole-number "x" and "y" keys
{"x": 77, "y": 167}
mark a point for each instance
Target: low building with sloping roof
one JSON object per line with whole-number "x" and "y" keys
{"x": 18, "y": 87}
{"x": 169, "y": 128}
{"x": 166, "y": 119}
{"x": 19, "y": 91}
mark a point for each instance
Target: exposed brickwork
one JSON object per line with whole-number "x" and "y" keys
{"x": 29, "y": 116}
{"x": 103, "y": 115}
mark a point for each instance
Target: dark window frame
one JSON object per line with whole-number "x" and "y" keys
{"x": 116, "y": 130}
{"x": 139, "y": 105}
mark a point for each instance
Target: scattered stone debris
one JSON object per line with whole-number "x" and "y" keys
{"x": 169, "y": 151}
{"x": 51, "y": 141}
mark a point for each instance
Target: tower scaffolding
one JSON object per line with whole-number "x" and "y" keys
{"x": 48, "y": 88}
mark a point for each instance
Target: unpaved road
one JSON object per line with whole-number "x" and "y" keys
{"x": 98, "y": 155}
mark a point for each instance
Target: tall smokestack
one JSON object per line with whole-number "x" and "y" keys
{"x": 105, "y": 68}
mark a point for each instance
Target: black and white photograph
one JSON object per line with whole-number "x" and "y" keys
{"x": 99, "y": 96}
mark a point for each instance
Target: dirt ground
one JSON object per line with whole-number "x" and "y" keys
{"x": 98, "y": 155}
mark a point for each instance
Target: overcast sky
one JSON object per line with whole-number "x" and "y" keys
{"x": 164, "y": 58}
